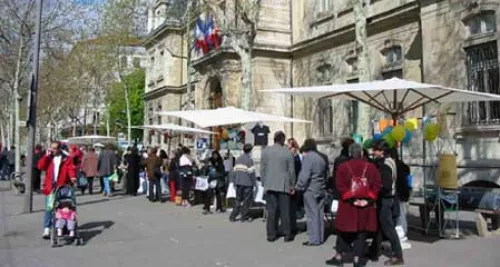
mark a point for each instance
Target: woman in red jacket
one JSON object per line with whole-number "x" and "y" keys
{"x": 60, "y": 170}
{"x": 356, "y": 215}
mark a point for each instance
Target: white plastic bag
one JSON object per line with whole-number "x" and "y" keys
{"x": 335, "y": 206}
{"x": 201, "y": 184}
{"x": 231, "y": 191}
{"x": 259, "y": 194}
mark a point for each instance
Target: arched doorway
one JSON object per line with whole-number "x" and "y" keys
{"x": 215, "y": 100}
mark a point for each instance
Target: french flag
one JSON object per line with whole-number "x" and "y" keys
{"x": 213, "y": 33}
{"x": 200, "y": 36}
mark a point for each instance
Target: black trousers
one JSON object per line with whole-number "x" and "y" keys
{"x": 37, "y": 174}
{"x": 209, "y": 195}
{"x": 278, "y": 207}
{"x": 387, "y": 224}
{"x": 351, "y": 242}
{"x": 154, "y": 184}
{"x": 186, "y": 183}
{"x": 294, "y": 205}
{"x": 101, "y": 183}
{"x": 244, "y": 195}
{"x": 90, "y": 182}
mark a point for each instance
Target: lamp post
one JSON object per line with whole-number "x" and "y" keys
{"x": 33, "y": 99}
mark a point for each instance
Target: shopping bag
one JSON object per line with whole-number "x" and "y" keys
{"x": 143, "y": 186}
{"x": 259, "y": 194}
{"x": 49, "y": 201}
{"x": 82, "y": 180}
{"x": 201, "y": 184}
{"x": 114, "y": 177}
{"x": 231, "y": 191}
{"x": 335, "y": 206}
{"x": 213, "y": 184}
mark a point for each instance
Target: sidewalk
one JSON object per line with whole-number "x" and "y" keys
{"x": 129, "y": 231}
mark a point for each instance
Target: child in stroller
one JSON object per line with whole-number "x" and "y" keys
{"x": 65, "y": 216}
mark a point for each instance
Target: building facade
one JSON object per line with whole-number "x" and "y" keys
{"x": 448, "y": 42}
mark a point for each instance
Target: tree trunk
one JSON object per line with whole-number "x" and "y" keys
{"x": 2, "y": 134}
{"x": 129, "y": 117}
{"x": 16, "y": 100}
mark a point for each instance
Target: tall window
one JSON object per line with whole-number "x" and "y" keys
{"x": 483, "y": 76}
{"x": 326, "y": 117}
{"x": 324, "y": 6}
{"x": 485, "y": 22}
{"x": 324, "y": 74}
{"x": 353, "y": 109}
{"x": 124, "y": 62}
{"x": 393, "y": 57}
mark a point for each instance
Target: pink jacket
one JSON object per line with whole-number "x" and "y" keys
{"x": 66, "y": 214}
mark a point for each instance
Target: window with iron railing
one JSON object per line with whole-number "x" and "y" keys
{"x": 483, "y": 76}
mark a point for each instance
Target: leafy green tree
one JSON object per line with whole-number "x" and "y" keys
{"x": 134, "y": 82}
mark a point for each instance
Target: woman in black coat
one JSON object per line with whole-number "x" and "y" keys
{"x": 217, "y": 174}
{"x": 133, "y": 161}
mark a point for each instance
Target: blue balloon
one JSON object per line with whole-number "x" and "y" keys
{"x": 387, "y": 130}
{"x": 407, "y": 138}
{"x": 377, "y": 137}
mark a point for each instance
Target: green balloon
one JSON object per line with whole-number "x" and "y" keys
{"x": 368, "y": 143}
{"x": 390, "y": 140}
{"x": 357, "y": 138}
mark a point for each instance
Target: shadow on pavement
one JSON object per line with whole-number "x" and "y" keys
{"x": 92, "y": 229}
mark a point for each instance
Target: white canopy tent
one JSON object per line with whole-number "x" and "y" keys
{"x": 226, "y": 116}
{"x": 173, "y": 128}
{"x": 91, "y": 139}
{"x": 393, "y": 96}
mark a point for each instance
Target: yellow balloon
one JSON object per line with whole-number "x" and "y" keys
{"x": 398, "y": 133}
{"x": 431, "y": 132}
{"x": 411, "y": 124}
{"x": 225, "y": 134}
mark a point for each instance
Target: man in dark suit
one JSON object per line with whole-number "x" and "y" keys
{"x": 277, "y": 170}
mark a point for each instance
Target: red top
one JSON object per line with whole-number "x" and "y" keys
{"x": 67, "y": 172}
{"x": 349, "y": 217}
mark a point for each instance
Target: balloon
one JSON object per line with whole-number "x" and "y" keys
{"x": 368, "y": 144}
{"x": 411, "y": 124}
{"x": 431, "y": 131}
{"x": 407, "y": 138}
{"x": 225, "y": 134}
{"x": 377, "y": 137}
{"x": 387, "y": 130}
{"x": 357, "y": 138}
{"x": 398, "y": 133}
{"x": 389, "y": 140}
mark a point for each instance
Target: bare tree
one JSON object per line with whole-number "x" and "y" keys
{"x": 238, "y": 21}
{"x": 16, "y": 33}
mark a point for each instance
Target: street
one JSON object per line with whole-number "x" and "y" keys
{"x": 130, "y": 231}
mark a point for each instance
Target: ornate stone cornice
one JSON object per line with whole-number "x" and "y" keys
{"x": 156, "y": 93}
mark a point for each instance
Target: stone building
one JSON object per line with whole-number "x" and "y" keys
{"x": 299, "y": 43}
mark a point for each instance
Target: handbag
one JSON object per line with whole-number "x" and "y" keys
{"x": 360, "y": 189}
{"x": 82, "y": 180}
{"x": 114, "y": 177}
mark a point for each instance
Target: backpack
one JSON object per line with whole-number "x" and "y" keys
{"x": 360, "y": 189}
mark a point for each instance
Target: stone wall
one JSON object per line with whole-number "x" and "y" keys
{"x": 445, "y": 38}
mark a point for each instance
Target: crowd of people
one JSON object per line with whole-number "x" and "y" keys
{"x": 296, "y": 179}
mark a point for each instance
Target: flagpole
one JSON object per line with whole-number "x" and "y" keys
{"x": 33, "y": 99}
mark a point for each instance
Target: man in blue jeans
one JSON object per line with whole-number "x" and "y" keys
{"x": 60, "y": 170}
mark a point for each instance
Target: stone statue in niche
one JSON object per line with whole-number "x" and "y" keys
{"x": 324, "y": 72}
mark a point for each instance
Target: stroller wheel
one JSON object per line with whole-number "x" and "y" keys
{"x": 53, "y": 239}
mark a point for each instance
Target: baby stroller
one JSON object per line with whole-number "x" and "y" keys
{"x": 64, "y": 195}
